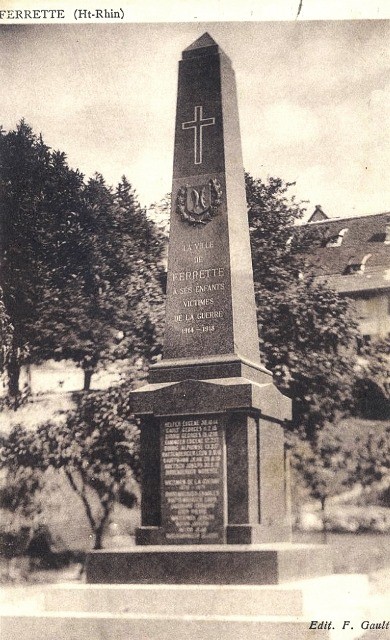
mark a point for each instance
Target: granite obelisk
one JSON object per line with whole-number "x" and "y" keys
{"x": 210, "y": 298}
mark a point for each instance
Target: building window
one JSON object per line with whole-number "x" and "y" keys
{"x": 364, "y": 262}
{"x": 337, "y": 240}
{"x": 387, "y": 231}
{"x": 357, "y": 266}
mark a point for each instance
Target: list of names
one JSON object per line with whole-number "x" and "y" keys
{"x": 192, "y": 479}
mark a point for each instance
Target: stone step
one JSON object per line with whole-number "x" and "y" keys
{"x": 104, "y": 626}
{"x": 208, "y": 600}
{"x": 189, "y": 612}
{"x": 323, "y": 596}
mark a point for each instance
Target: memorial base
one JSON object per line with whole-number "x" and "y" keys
{"x": 209, "y": 564}
{"x": 173, "y": 612}
{"x": 213, "y": 460}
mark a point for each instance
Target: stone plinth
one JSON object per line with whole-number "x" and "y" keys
{"x": 317, "y": 598}
{"x": 71, "y": 626}
{"x": 209, "y": 564}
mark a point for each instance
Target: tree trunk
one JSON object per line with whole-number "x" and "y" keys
{"x": 324, "y": 529}
{"x": 29, "y": 377}
{"x": 99, "y": 530}
{"x": 287, "y": 485}
{"x": 87, "y": 379}
{"x": 98, "y": 544}
{"x": 13, "y": 371}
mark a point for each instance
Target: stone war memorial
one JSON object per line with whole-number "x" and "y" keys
{"x": 214, "y": 556}
{"x": 212, "y": 446}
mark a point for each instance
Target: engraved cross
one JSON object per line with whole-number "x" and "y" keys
{"x": 197, "y": 124}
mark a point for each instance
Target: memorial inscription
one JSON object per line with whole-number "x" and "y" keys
{"x": 198, "y": 289}
{"x": 192, "y": 456}
{"x": 200, "y": 292}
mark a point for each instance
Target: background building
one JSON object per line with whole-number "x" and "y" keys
{"x": 354, "y": 259}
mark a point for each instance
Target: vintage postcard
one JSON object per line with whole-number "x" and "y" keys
{"x": 238, "y": 487}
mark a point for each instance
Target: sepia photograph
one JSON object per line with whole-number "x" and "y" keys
{"x": 194, "y": 325}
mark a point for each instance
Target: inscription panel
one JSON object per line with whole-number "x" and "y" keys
{"x": 198, "y": 306}
{"x": 192, "y": 480}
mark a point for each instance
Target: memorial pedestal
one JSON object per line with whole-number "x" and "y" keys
{"x": 213, "y": 484}
{"x": 213, "y": 456}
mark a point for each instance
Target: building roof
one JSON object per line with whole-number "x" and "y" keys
{"x": 318, "y": 215}
{"x": 355, "y": 252}
{"x": 358, "y": 283}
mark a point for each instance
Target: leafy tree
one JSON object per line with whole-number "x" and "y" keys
{"x": 6, "y": 335}
{"x": 23, "y": 161}
{"x": 81, "y": 268}
{"x": 37, "y": 189}
{"x": 160, "y": 212}
{"x": 372, "y": 386}
{"x": 98, "y": 453}
{"x": 95, "y": 448}
{"x": 307, "y": 331}
{"x": 372, "y": 462}
{"x": 21, "y": 479}
{"x": 307, "y": 336}
{"x": 326, "y": 466}
{"x": 110, "y": 306}
{"x": 20, "y": 493}
{"x": 142, "y": 316}
{"x": 378, "y": 361}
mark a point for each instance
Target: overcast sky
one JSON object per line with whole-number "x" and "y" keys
{"x": 314, "y": 101}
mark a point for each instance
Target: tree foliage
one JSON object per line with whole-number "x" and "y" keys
{"x": 307, "y": 331}
{"x": 372, "y": 457}
{"x": 37, "y": 190}
{"x": 110, "y": 306}
{"x": 22, "y": 479}
{"x": 24, "y": 161}
{"x": 377, "y": 355}
{"x": 325, "y": 467}
{"x": 95, "y": 448}
{"x": 160, "y": 212}
{"x": 81, "y": 270}
{"x": 6, "y": 335}
{"x": 372, "y": 386}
